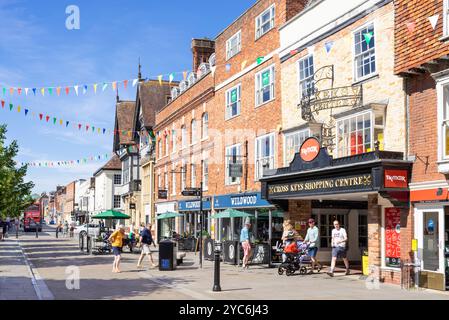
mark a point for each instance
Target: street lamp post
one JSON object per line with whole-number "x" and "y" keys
{"x": 201, "y": 224}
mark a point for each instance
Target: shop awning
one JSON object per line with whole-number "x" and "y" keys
{"x": 111, "y": 214}
{"x": 168, "y": 215}
{"x": 232, "y": 213}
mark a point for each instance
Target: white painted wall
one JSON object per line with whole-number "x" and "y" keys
{"x": 105, "y": 190}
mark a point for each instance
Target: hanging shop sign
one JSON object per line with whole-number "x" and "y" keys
{"x": 396, "y": 178}
{"x": 392, "y": 237}
{"x": 162, "y": 194}
{"x": 236, "y": 169}
{"x": 316, "y": 100}
{"x": 310, "y": 149}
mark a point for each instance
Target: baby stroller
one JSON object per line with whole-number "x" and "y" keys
{"x": 105, "y": 247}
{"x": 296, "y": 258}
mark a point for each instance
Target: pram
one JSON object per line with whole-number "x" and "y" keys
{"x": 296, "y": 260}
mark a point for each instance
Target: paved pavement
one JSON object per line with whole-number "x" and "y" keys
{"x": 56, "y": 264}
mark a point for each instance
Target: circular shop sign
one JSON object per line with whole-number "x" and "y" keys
{"x": 310, "y": 149}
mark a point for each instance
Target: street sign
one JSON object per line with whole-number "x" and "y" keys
{"x": 162, "y": 194}
{"x": 191, "y": 192}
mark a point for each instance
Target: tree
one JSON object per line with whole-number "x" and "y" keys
{"x": 15, "y": 194}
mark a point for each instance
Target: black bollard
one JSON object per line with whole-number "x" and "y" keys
{"x": 217, "y": 251}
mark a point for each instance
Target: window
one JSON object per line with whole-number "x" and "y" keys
{"x": 173, "y": 179}
{"x": 326, "y": 225}
{"x": 265, "y": 86}
{"x": 167, "y": 144}
{"x": 194, "y": 132}
{"x": 183, "y": 175}
{"x": 306, "y": 71}
{"x": 265, "y": 154}
{"x": 159, "y": 181}
{"x": 356, "y": 134}
{"x": 205, "y": 126}
{"x": 205, "y": 169}
{"x": 193, "y": 175}
{"x": 166, "y": 181}
{"x": 445, "y": 124}
{"x": 364, "y": 52}
{"x": 363, "y": 231}
{"x": 183, "y": 137}
{"x": 117, "y": 201}
{"x": 159, "y": 141}
{"x": 117, "y": 179}
{"x": 126, "y": 170}
{"x": 232, "y": 157}
{"x": 174, "y": 138}
{"x": 293, "y": 142}
{"x": 265, "y": 22}
{"x": 233, "y": 101}
{"x": 234, "y": 45}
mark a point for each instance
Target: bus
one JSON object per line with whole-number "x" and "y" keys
{"x": 32, "y": 218}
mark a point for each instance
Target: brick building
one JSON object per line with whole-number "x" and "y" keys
{"x": 226, "y": 114}
{"x": 339, "y": 86}
{"x": 421, "y": 32}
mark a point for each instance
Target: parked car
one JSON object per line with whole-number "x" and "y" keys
{"x": 94, "y": 229}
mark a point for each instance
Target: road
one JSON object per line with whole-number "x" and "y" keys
{"x": 48, "y": 268}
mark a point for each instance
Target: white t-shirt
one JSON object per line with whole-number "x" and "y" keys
{"x": 339, "y": 235}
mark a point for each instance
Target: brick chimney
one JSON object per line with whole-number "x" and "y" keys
{"x": 202, "y": 49}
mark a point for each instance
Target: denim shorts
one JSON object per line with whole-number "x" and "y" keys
{"x": 116, "y": 251}
{"x": 312, "y": 252}
{"x": 338, "y": 252}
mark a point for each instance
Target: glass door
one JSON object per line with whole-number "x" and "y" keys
{"x": 431, "y": 252}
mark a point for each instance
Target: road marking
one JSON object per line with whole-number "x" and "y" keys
{"x": 41, "y": 289}
{"x": 188, "y": 292}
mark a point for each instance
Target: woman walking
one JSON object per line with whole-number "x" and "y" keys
{"x": 117, "y": 242}
{"x": 246, "y": 244}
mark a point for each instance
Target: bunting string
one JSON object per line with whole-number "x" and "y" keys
{"x": 65, "y": 163}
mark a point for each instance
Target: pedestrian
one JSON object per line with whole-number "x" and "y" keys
{"x": 66, "y": 229}
{"x": 287, "y": 228}
{"x": 339, "y": 249}
{"x": 146, "y": 239}
{"x": 117, "y": 243}
{"x": 72, "y": 229}
{"x": 245, "y": 240}
{"x": 1, "y": 230}
{"x": 312, "y": 240}
{"x": 8, "y": 224}
{"x": 4, "y": 230}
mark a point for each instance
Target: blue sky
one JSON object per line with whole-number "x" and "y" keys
{"x": 37, "y": 50}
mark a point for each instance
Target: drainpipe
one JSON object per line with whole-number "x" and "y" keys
{"x": 407, "y": 117}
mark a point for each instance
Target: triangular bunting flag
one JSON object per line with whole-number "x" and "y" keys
{"x": 125, "y": 84}
{"x": 3, "y": 104}
{"x": 18, "y": 109}
{"x": 79, "y": 126}
{"x": 184, "y": 75}
{"x": 135, "y": 82}
{"x": 43, "y": 91}
{"x": 114, "y": 86}
{"x": 61, "y": 122}
{"x": 67, "y": 90}
{"x": 434, "y": 20}
{"x": 95, "y": 88}
{"x": 4, "y": 91}
{"x": 104, "y": 131}
{"x": 160, "y": 79}
{"x": 259, "y": 60}
{"x": 84, "y": 89}
{"x": 11, "y": 91}
{"x": 47, "y": 118}
{"x": 10, "y": 107}
{"x": 26, "y": 91}
{"x": 87, "y": 127}
{"x": 228, "y": 67}
{"x": 54, "y": 120}
{"x": 368, "y": 36}
{"x": 76, "y": 89}
{"x": 244, "y": 64}
{"x": 50, "y": 91}
{"x": 58, "y": 91}
{"x": 328, "y": 46}
{"x": 40, "y": 116}
{"x": 66, "y": 124}
{"x": 105, "y": 85}
{"x": 19, "y": 91}
{"x": 171, "y": 77}
{"x": 26, "y": 112}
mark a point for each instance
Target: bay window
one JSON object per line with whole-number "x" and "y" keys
{"x": 265, "y": 86}
{"x": 265, "y": 154}
{"x": 292, "y": 143}
{"x": 358, "y": 133}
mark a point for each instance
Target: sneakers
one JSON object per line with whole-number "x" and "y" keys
{"x": 348, "y": 272}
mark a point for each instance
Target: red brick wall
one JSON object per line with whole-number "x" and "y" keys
{"x": 423, "y": 124}
{"x": 423, "y": 44}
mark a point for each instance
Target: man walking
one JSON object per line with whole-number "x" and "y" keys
{"x": 246, "y": 243}
{"x": 312, "y": 239}
{"x": 146, "y": 240}
{"x": 339, "y": 239}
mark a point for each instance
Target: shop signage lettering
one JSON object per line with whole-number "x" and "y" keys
{"x": 363, "y": 181}
{"x": 309, "y": 149}
{"x": 193, "y": 205}
{"x": 244, "y": 200}
{"x": 396, "y": 178}
{"x": 249, "y": 200}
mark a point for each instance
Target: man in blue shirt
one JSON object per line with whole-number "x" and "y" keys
{"x": 246, "y": 243}
{"x": 146, "y": 239}
{"x": 312, "y": 239}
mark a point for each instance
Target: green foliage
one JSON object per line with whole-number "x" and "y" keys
{"x": 15, "y": 194}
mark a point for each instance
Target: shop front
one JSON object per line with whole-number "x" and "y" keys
{"x": 165, "y": 227}
{"x": 367, "y": 193}
{"x": 431, "y": 213}
{"x": 192, "y": 221}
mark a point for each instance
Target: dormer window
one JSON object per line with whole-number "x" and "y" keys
{"x": 265, "y": 22}
{"x": 234, "y": 45}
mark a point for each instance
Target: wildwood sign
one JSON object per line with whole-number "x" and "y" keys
{"x": 335, "y": 184}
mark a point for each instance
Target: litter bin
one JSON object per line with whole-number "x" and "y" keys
{"x": 167, "y": 255}
{"x": 365, "y": 262}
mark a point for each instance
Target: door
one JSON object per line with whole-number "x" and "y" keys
{"x": 430, "y": 234}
